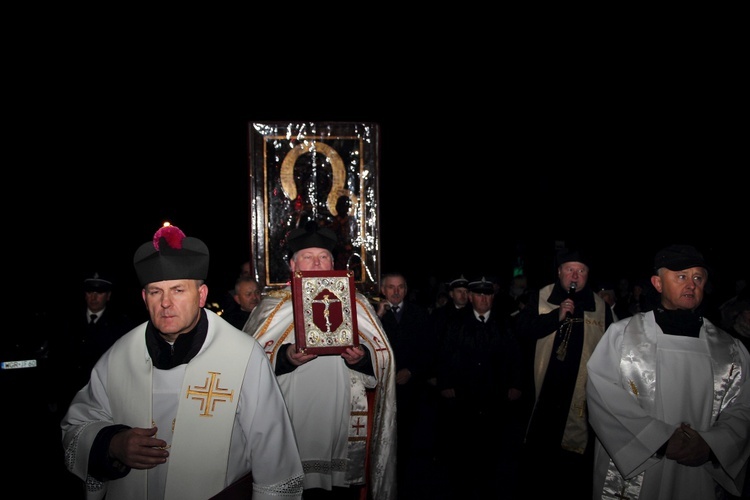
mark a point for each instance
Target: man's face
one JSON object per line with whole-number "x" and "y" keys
{"x": 248, "y": 295}
{"x": 460, "y": 296}
{"x": 394, "y": 289}
{"x": 312, "y": 259}
{"x": 481, "y": 302}
{"x": 96, "y": 301}
{"x": 174, "y": 305}
{"x": 573, "y": 272}
{"x": 680, "y": 289}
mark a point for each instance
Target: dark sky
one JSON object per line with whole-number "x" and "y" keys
{"x": 461, "y": 190}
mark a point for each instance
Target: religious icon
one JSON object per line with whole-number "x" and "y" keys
{"x": 322, "y": 172}
{"x": 325, "y": 319}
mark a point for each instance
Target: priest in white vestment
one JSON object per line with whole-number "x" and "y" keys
{"x": 327, "y": 394}
{"x": 185, "y": 405}
{"x": 669, "y": 397}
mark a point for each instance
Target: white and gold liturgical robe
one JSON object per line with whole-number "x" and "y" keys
{"x": 222, "y": 415}
{"x": 642, "y": 384}
{"x": 328, "y": 404}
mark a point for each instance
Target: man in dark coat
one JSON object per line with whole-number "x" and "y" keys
{"x": 559, "y": 328}
{"x": 479, "y": 378}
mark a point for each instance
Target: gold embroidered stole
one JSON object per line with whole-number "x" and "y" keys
{"x": 575, "y": 437}
{"x": 205, "y": 416}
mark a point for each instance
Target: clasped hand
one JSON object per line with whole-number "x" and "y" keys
{"x": 687, "y": 447}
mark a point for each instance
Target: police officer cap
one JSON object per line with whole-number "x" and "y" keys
{"x": 170, "y": 255}
{"x": 458, "y": 283}
{"x": 97, "y": 283}
{"x": 482, "y": 286}
{"x": 311, "y": 235}
{"x": 679, "y": 257}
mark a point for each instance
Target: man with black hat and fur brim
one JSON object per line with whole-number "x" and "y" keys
{"x": 668, "y": 395}
{"x": 327, "y": 395}
{"x": 559, "y": 328}
{"x": 184, "y": 405}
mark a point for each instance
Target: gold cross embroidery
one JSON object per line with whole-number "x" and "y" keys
{"x": 210, "y": 394}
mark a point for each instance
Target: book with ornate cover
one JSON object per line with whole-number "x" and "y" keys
{"x": 325, "y": 319}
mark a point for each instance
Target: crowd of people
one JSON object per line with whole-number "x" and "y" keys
{"x": 499, "y": 390}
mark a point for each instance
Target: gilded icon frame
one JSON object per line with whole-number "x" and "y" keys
{"x": 305, "y": 172}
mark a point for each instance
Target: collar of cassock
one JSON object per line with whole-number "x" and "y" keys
{"x": 186, "y": 347}
{"x": 679, "y": 321}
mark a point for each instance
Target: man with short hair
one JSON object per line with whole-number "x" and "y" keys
{"x": 184, "y": 405}
{"x": 479, "y": 378}
{"x": 90, "y": 331}
{"x": 559, "y": 328}
{"x": 247, "y": 295}
{"x": 328, "y": 395}
{"x": 668, "y": 395}
{"x": 406, "y": 322}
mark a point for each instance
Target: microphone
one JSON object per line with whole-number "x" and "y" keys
{"x": 571, "y": 292}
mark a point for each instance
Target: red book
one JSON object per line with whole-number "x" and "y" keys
{"x": 325, "y": 311}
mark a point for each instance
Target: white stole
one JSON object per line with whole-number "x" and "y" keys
{"x": 205, "y": 415}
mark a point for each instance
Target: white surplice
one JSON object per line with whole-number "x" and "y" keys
{"x": 222, "y": 415}
{"x": 642, "y": 384}
{"x": 328, "y": 404}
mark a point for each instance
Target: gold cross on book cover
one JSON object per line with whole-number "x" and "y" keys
{"x": 325, "y": 317}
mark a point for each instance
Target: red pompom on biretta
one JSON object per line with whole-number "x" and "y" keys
{"x": 172, "y": 234}
{"x": 170, "y": 255}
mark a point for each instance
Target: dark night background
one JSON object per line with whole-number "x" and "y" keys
{"x": 619, "y": 141}
{"x": 466, "y": 185}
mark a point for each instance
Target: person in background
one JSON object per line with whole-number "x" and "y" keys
{"x": 441, "y": 318}
{"x": 561, "y": 325}
{"x": 406, "y": 323}
{"x": 479, "y": 378}
{"x": 247, "y": 295}
{"x": 510, "y": 301}
{"x": 88, "y": 334}
{"x": 458, "y": 291}
{"x": 228, "y": 302}
{"x": 735, "y": 315}
{"x": 184, "y": 405}
{"x": 642, "y": 297}
{"x": 442, "y": 298}
{"x": 333, "y": 399}
{"x": 668, "y": 395}
{"x": 607, "y": 292}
